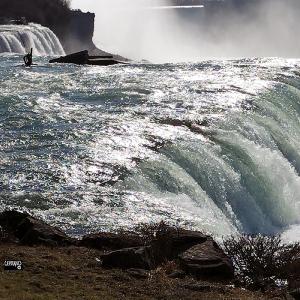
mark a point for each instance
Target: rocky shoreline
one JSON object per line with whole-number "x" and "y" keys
{"x": 156, "y": 263}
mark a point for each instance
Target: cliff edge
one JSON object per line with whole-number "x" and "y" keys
{"x": 74, "y": 28}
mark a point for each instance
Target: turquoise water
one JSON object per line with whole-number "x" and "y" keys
{"x": 212, "y": 146}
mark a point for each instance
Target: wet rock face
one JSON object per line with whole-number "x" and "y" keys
{"x": 30, "y": 231}
{"x": 207, "y": 260}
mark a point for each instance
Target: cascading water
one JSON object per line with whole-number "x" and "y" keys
{"x": 213, "y": 145}
{"x": 20, "y": 38}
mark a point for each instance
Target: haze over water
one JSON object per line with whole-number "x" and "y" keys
{"x": 136, "y": 30}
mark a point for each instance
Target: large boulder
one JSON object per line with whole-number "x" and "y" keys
{"x": 111, "y": 241}
{"x": 79, "y": 58}
{"x": 31, "y": 231}
{"x": 128, "y": 258}
{"x": 171, "y": 242}
{"x": 83, "y": 58}
{"x": 207, "y": 260}
{"x": 184, "y": 239}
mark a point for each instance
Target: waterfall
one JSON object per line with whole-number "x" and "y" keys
{"x": 20, "y": 38}
{"x": 245, "y": 174}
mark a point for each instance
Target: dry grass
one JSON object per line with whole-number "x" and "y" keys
{"x": 74, "y": 273}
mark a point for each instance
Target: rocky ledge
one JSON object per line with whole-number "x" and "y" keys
{"x": 196, "y": 254}
{"x": 177, "y": 263}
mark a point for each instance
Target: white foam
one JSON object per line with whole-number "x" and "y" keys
{"x": 292, "y": 234}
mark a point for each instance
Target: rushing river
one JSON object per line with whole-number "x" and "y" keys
{"x": 211, "y": 145}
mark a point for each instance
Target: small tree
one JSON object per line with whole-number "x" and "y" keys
{"x": 260, "y": 260}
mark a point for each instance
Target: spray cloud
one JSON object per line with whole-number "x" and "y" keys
{"x": 136, "y": 30}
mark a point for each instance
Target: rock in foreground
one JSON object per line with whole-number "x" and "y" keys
{"x": 111, "y": 241}
{"x": 128, "y": 258}
{"x": 207, "y": 260}
{"x": 197, "y": 254}
{"x": 31, "y": 231}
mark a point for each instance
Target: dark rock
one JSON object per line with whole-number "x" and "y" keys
{"x": 31, "y": 231}
{"x": 79, "y": 58}
{"x": 78, "y": 32}
{"x": 184, "y": 239}
{"x": 111, "y": 241}
{"x": 128, "y": 258}
{"x": 83, "y": 58}
{"x": 177, "y": 274}
{"x": 295, "y": 293}
{"x": 292, "y": 271}
{"x": 207, "y": 260}
{"x": 194, "y": 126}
{"x": 138, "y": 273}
{"x": 10, "y": 220}
{"x": 170, "y": 242}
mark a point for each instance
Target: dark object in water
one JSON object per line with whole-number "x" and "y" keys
{"x": 28, "y": 59}
{"x": 83, "y": 58}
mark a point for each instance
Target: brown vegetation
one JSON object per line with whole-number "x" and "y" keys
{"x": 261, "y": 261}
{"x": 74, "y": 273}
{"x": 158, "y": 262}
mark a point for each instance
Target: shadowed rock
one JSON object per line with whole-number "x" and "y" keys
{"x": 293, "y": 274}
{"x": 170, "y": 242}
{"x": 31, "y": 231}
{"x": 295, "y": 293}
{"x": 79, "y": 58}
{"x": 129, "y": 258}
{"x": 111, "y": 241}
{"x": 167, "y": 244}
{"x": 207, "y": 260}
{"x": 83, "y": 58}
{"x": 184, "y": 239}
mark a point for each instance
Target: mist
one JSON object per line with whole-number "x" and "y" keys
{"x": 138, "y": 30}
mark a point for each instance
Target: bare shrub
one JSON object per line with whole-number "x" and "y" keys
{"x": 260, "y": 261}
{"x": 159, "y": 236}
{"x": 152, "y": 231}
